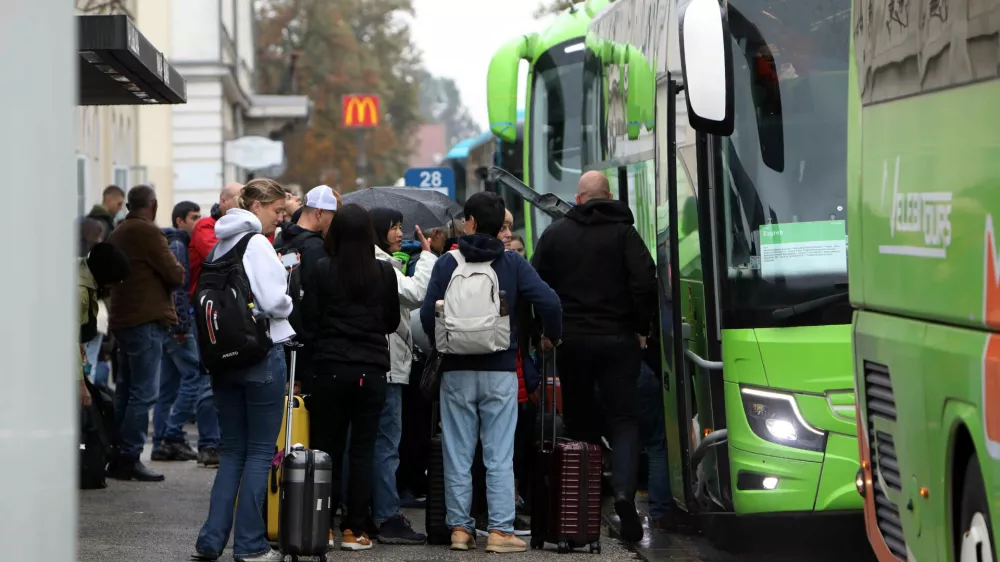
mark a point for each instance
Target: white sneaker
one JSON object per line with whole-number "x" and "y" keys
{"x": 271, "y": 556}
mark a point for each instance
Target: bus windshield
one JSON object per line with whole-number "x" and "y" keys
{"x": 557, "y": 125}
{"x": 783, "y": 171}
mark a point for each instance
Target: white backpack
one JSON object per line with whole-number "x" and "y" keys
{"x": 470, "y": 322}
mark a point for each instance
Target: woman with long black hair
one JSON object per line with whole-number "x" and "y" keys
{"x": 351, "y": 308}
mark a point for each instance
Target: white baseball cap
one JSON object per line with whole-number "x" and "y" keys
{"x": 321, "y": 197}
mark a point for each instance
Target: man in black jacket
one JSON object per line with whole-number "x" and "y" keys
{"x": 306, "y": 238}
{"x": 606, "y": 279}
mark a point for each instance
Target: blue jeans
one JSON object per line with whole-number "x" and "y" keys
{"x": 654, "y": 437}
{"x": 479, "y": 405}
{"x": 250, "y": 404}
{"x": 187, "y": 391}
{"x": 99, "y": 369}
{"x": 385, "y": 496}
{"x": 136, "y": 383}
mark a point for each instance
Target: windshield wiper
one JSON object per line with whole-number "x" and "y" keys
{"x": 803, "y": 307}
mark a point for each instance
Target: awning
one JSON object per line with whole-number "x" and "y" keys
{"x": 119, "y": 66}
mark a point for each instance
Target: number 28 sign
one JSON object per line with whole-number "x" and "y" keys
{"x": 439, "y": 179}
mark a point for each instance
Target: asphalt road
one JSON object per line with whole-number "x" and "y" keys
{"x": 158, "y": 522}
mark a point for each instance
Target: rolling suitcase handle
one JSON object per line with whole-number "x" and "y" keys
{"x": 293, "y": 347}
{"x": 548, "y": 360}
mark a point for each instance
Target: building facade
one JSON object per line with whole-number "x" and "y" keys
{"x": 180, "y": 149}
{"x": 106, "y": 136}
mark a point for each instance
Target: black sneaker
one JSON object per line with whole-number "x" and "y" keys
{"x": 163, "y": 452}
{"x": 184, "y": 451}
{"x": 173, "y": 451}
{"x": 631, "y": 530}
{"x": 133, "y": 470}
{"x": 522, "y": 527}
{"x": 209, "y": 456}
{"x": 399, "y": 531}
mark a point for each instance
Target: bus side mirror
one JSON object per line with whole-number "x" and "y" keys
{"x": 707, "y": 66}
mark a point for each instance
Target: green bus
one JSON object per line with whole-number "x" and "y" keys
{"x": 556, "y": 138}
{"x": 926, "y": 288}
{"x": 749, "y": 224}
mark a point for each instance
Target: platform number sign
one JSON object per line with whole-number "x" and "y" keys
{"x": 439, "y": 179}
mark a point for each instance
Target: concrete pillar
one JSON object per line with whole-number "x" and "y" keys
{"x": 39, "y": 404}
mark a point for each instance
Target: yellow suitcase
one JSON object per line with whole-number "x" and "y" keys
{"x": 300, "y": 434}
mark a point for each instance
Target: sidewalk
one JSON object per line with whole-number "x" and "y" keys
{"x": 158, "y": 522}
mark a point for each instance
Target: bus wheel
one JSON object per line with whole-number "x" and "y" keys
{"x": 975, "y": 543}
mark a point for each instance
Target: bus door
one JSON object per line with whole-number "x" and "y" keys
{"x": 692, "y": 381}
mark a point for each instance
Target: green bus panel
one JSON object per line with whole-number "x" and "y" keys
{"x": 938, "y": 381}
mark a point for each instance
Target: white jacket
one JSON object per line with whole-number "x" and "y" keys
{"x": 411, "y": 296}
{"x": 268, "y": 279}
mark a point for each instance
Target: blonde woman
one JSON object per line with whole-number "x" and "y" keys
{"x": 249, "y": 401}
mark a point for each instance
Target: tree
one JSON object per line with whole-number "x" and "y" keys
{"x": 103, "y": 7}
{"x": 342, "y": 47}
{"x": 441, "y": 102}
{"x": 550, "y": 7}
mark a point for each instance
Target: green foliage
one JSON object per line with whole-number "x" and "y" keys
{"x": 342, "y": 47}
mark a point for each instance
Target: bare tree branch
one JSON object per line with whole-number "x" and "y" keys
{"x": 106, "y": 7}
{"x": 549, "y": 7}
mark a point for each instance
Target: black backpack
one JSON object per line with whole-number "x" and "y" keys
{"x": 230, "y": 335}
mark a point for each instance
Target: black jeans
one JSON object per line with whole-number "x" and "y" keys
{"x": 416, "y": 438}
{"x": 339, "y": 402}
{"x": 606, "y": 367}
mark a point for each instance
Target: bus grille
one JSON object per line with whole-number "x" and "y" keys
{"x": 880, "y": 402}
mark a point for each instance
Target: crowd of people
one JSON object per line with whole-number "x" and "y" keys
{"x": 364, "y": 306}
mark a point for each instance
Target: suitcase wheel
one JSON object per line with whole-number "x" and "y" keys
{"x": 563, "y": 547}
{"x": 595, "y": 547}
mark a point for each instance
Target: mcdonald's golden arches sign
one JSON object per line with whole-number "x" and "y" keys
{"x": 361, "y": 110}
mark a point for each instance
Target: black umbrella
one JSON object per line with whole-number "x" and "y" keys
{"x": 425, "y": 207}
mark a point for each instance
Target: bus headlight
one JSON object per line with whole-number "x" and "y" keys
{"x": 775, "y": 417}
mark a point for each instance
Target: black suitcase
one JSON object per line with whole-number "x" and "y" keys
{"x": 435, "y": 510}
{"x": 306, "y": 489}
{"x": 566, "y": 489}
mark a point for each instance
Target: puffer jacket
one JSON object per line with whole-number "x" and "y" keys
{"x": 411, "y": 296}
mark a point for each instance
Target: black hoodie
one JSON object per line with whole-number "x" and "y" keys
{"x": 601, "y": 269}
{"x": 309, "y": 245}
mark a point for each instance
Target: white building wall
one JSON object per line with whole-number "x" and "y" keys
{"x": 197, "y": 35}
{"x": 198, "y": 131}
{"x": 211, "y": 44}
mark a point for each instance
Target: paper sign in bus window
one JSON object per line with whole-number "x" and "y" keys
{"x": 803, "y": 248}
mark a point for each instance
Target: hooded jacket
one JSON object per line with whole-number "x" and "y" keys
{"x": 268, "y": 280}
{"x": 178, "y": 241}
{"x": 411, "y": 295}
{"x": 516, "y": 278}
{"x": 104, "y": 216}
{"x": 601, "y": 269}
{"x": 202, "y": 241}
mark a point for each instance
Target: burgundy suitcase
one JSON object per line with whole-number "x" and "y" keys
{"x": 566, "y": 492}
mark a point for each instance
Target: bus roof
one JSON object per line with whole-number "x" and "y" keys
{"x": 568, "y": 25}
